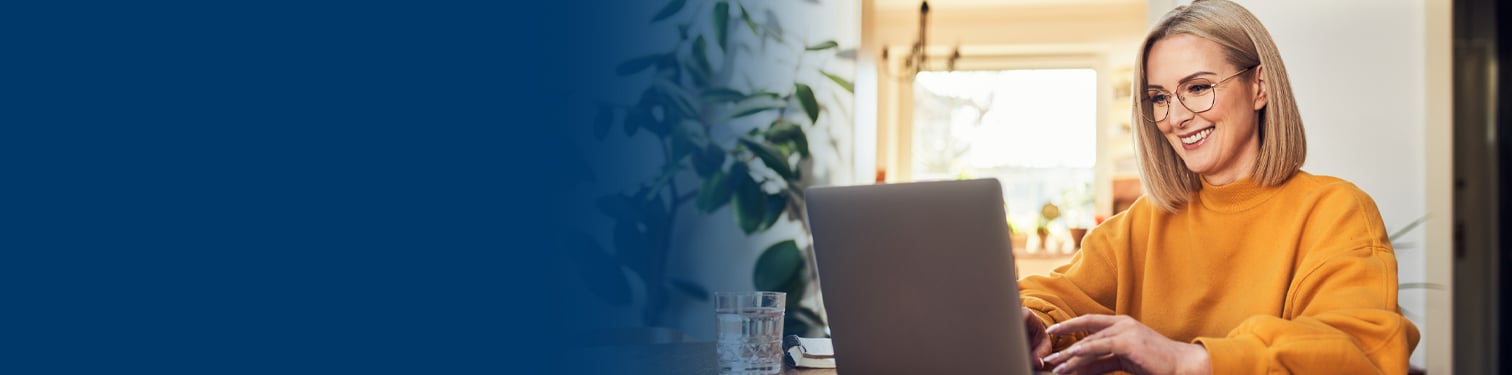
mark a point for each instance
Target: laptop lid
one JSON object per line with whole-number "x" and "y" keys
{"x": 918, "y": 278}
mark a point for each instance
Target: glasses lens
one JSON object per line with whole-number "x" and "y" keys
{"x": 1159, "y": 103}
{"x": 1197, "y": 95}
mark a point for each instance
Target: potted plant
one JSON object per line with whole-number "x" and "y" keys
{"x": 698, "y": 88}
{"x": 1048, "y": 213}
{"x": 1078, "y": 203}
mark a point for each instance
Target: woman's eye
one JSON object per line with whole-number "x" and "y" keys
{"x": 1199, "y": 89}
{"x": 1158, "y": 98}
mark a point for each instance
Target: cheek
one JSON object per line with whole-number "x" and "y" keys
{"x": 1232, "y": 111}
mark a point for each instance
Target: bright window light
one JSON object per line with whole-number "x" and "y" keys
{"x": 1033, "y": 129}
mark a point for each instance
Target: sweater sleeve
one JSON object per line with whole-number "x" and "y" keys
{"x": 1343, "y": 326}
{"x": 1086, "y": 285}
{"x": 1342, "y": 315}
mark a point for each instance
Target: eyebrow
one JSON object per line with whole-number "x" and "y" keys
{"x": 1184, "y": 79}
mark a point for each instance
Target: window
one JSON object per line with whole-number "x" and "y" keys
{"x": 1032, "y": 129}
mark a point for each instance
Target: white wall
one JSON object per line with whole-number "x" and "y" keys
{"x": 1358, "y": 69}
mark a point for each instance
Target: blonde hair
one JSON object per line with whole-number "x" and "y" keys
{"x": 1283, "y": 147}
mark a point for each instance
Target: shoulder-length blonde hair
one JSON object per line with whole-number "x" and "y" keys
{"x": 1283, "y": 148}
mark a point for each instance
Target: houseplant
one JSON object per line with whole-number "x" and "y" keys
{"x": 1048, "y": 213}
{"x": 699, "y": 89}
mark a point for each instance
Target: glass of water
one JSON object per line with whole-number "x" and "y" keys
{"x": 750, "y": 332}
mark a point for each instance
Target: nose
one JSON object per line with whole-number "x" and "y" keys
{"x": 1179, "y": 115}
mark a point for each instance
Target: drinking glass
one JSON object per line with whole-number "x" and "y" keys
{"x": 749, "y": 332}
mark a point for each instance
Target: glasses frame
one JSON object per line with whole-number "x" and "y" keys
{"x": 1182, "y": 98}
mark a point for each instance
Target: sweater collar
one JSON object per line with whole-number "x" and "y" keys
{"x": 1239, "y": 195}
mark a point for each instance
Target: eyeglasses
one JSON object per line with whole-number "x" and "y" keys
{"x": 1196, "y": 95}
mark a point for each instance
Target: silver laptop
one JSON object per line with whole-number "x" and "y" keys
{"x": 918, "y": 278}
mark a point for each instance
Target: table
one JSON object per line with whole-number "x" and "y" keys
{"x": 685, "y": 358}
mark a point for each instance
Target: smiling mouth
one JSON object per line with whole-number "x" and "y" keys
{"x": 1196, "y": 137}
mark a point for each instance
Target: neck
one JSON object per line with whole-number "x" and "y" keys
{"x": 1240, "y": 169}
{"x": 1226, "y": 177}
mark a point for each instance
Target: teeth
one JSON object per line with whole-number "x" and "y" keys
{"x": 1197, "y": 137}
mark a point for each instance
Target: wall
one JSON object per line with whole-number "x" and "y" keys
{"x": 1359, "y": 71}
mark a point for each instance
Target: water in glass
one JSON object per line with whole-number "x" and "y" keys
{"x": 750, "y": 341}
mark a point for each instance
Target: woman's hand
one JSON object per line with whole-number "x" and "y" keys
{"x": 1039, "y": 341}
{"x": 1122, "y": 343}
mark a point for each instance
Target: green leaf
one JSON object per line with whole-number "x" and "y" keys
{"x": 794, "y": 327}
{"x": 777, "y": 266}
{"x": 1414, "y": 224}
{"x": 782, "y": 131}
{"x": 699, "y": 74}
{"x": 721, "y": 24}
{"x": 769, "y": 156}
{"x": 701, "y": 54}
{"x": 693, "y": 132}
{"x": 844, "y": 84}
{"x": 676, "y": 95}
{"x": 602, "y": 121}
{"x": 788, "y": 133}
{"x": 683, "y": 144}
{"x": 669, "y": 67}
{"x": 810, "y": 105}
{"x": 773, "y": 26}
{"x": 756, "y": 103}
{"x": 823, "y": 46}
{"x": 692, "y": 289}
{"x": 748, "y": 201}
{"x": 1434, "y": 286}
{"x": 801, "y": 143}
{"x": 708, "y": 161}
{"x": 808, "y": 315}
{"x": 775, "y": 205}
{"x": 848, "y": 53}
{"x": 714, "y": 193}
{"x": 604, "y": 276}
{"x": 720, "y": 94}
{"x": 670, "y": 9}
{"x": 638, "y": 64}
{"x": 746, "y": 16}
{"x": 764, "y": 94}
{"x": 651, "y": 104}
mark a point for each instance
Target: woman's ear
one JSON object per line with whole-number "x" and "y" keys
{"x": 1257, "y": 87}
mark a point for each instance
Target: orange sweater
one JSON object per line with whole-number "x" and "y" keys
{"x": 1293, "y": 278}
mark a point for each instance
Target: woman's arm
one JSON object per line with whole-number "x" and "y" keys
{"x": 1341, "y": 313}
{"x": 1347, "y": 322}
{"x": 1086, "y": 285}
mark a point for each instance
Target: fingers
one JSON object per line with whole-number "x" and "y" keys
{"x": 1039, "y": 341}
{"x": 1042, "y": 348}
{"x": 1033, "y": 322}
{"x": 1086, "y": 349}
{"x": 1082, "y": 356}
{"x": 1088, "y": 365}
{"x": 1100, "y": 366}
{"x": 1086, "y": 323}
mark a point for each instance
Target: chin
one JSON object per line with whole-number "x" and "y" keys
{"x": 1198, "y": 169}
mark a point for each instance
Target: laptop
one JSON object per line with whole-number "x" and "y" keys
{"x": 918, "y": 278}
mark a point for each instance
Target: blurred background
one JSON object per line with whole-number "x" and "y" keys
{"x": 709, "y": 117}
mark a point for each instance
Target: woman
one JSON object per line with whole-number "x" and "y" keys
{"x": 1235, "y": 260}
